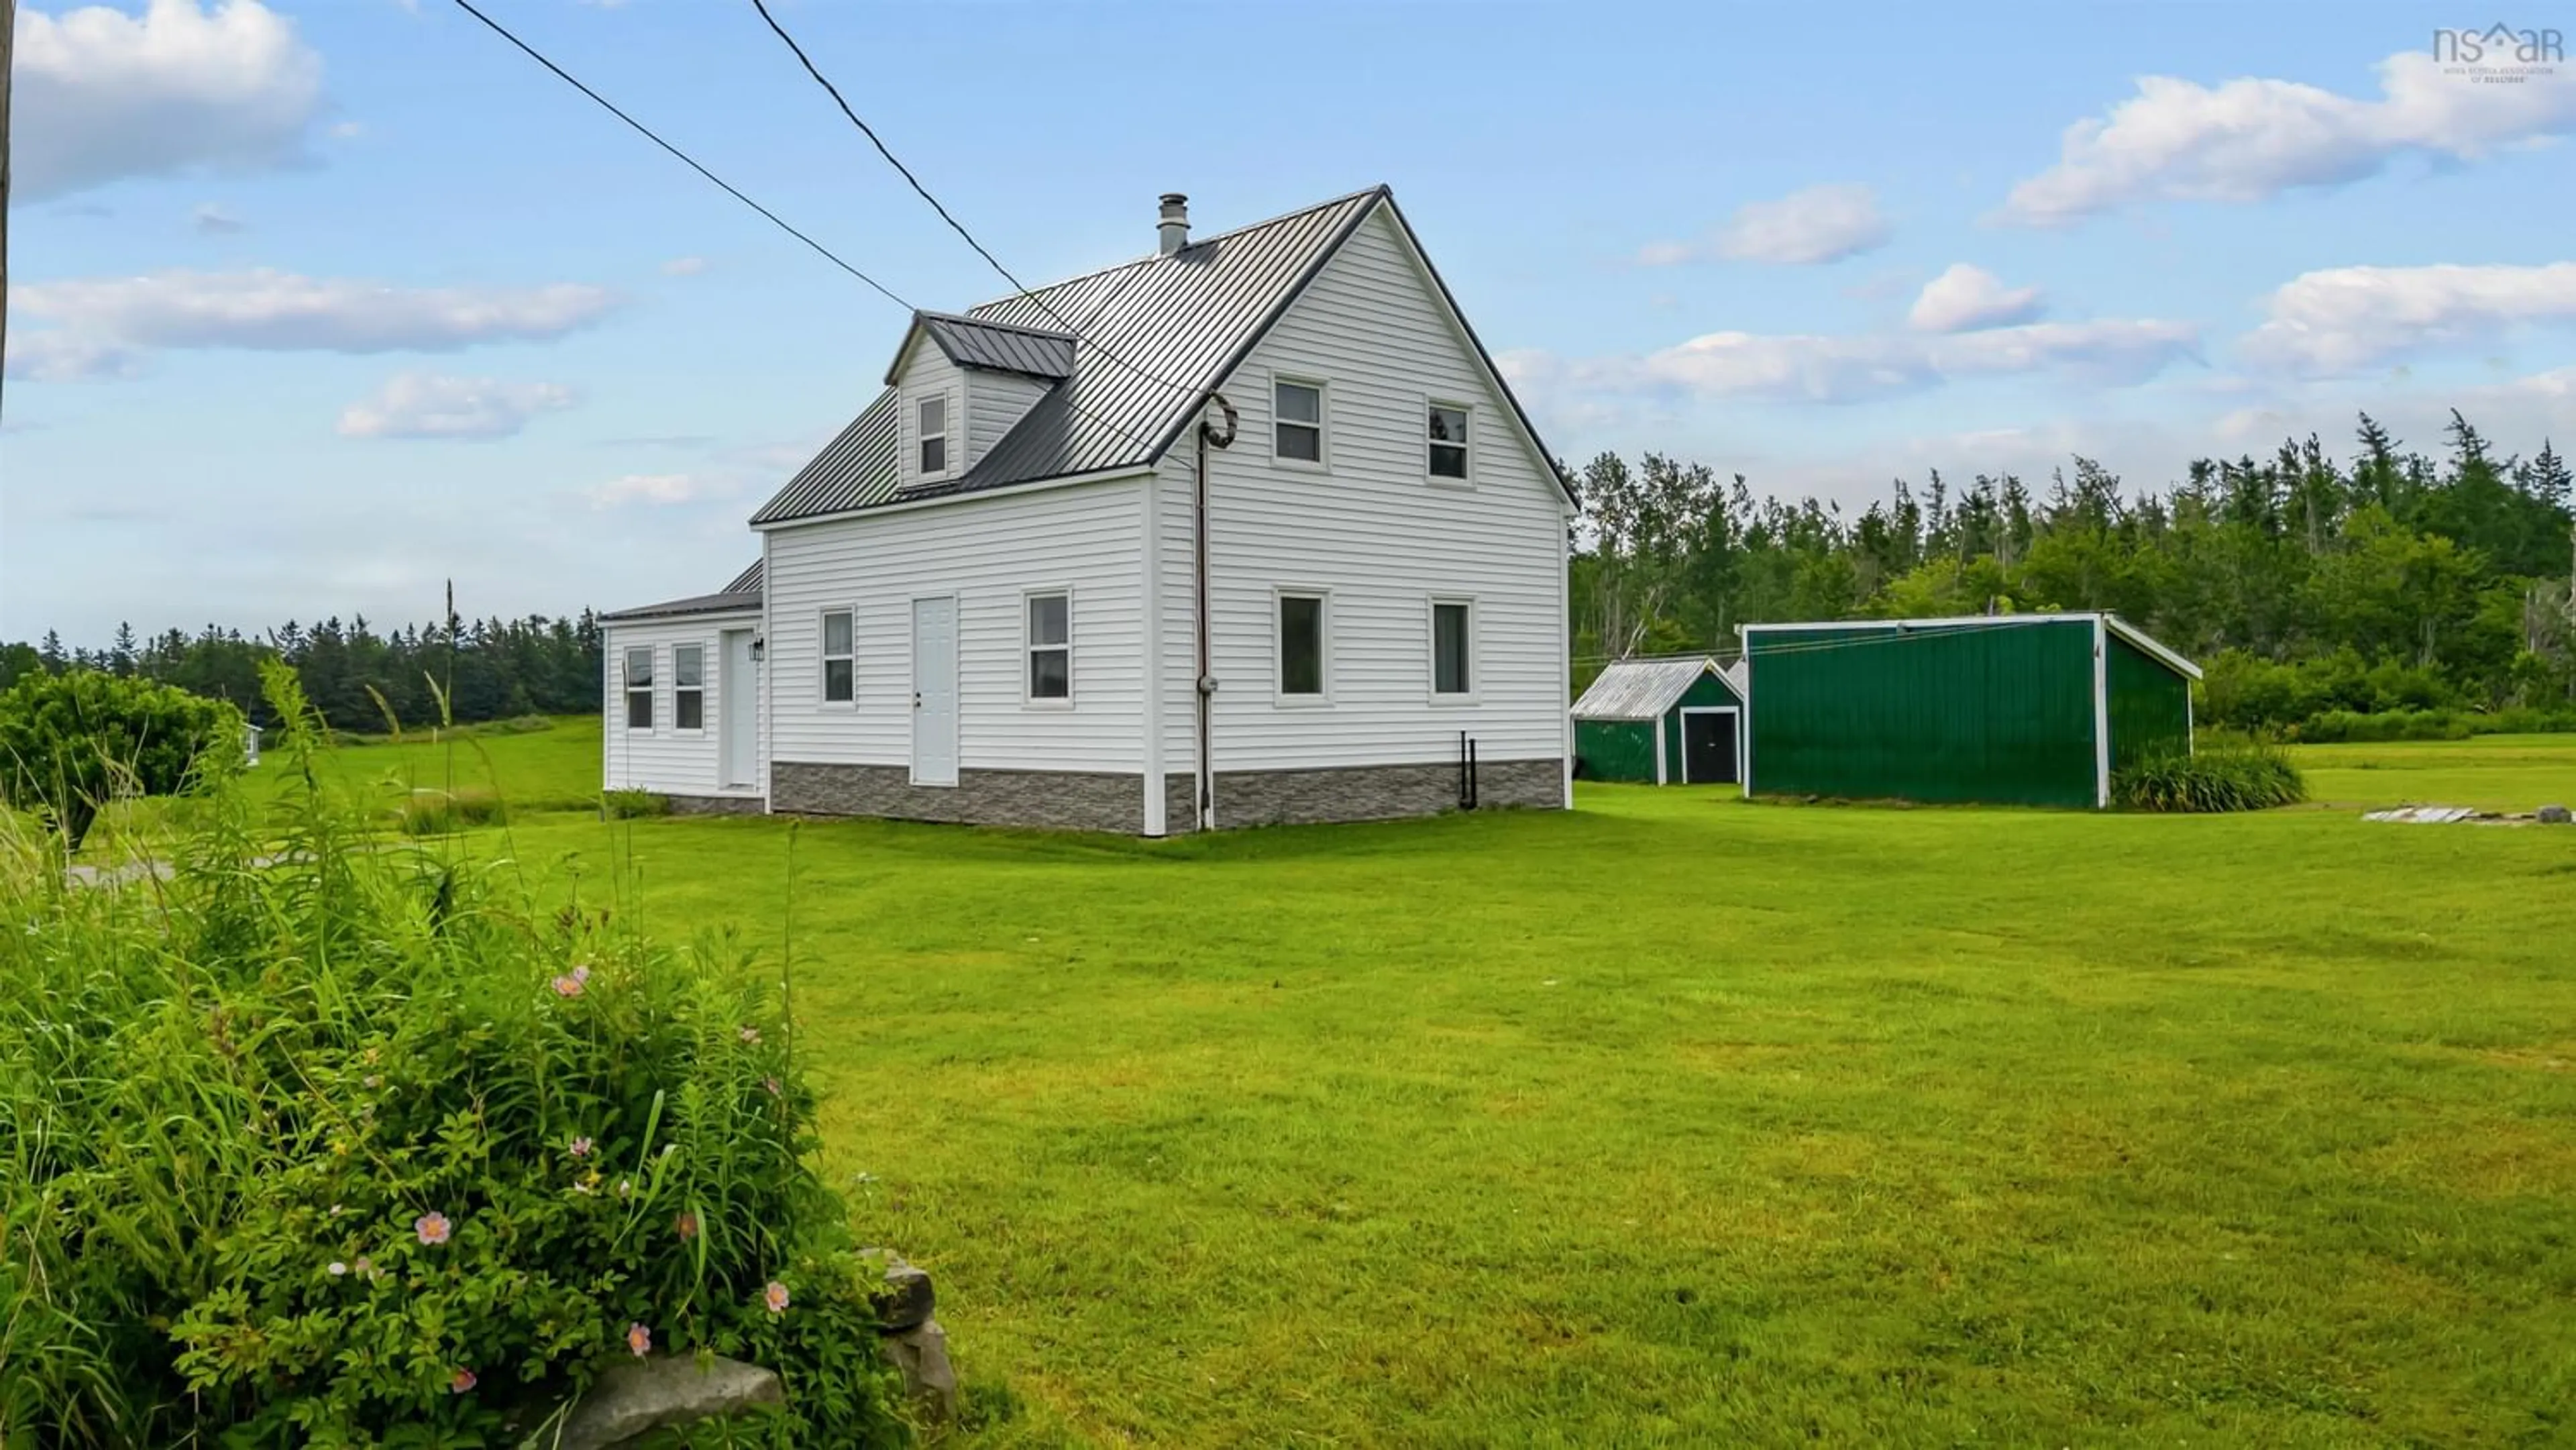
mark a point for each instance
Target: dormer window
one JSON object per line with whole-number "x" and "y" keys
{"x": 932, "y": 414}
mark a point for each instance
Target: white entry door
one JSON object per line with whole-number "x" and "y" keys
{"x": 934, "y": 691}
{"x": 739, "y": 727}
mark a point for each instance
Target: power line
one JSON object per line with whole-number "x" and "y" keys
{"x": 691, "y": 162}
{"x": 954, "y": 225}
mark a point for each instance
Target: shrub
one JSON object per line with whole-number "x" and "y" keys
{"x": 356, "y": 1150}
{"x": 621, "y": 805}
{"x": 2340, "y": 726}
{"x": 72, "y": 742}
{"x": 2245, "y": 776}
{"x": 438, "y": 812}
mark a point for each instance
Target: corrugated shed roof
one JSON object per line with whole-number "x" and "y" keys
{"x": 1641, "y": 689}
{"x": 976, "y": 343}
{"x": 728, "y": 602}
{"x": 1152, "y": 336}
{"x": 743, "y": 593}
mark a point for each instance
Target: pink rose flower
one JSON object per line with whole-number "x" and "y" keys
{"x": 569, "y": 985}
{"x": 775, "y": 1296}
{"x": 581, "y": 1147}
{"x": 639, "y": 1340}
{"x": 461, "y": 1381}
{"x": 431, "y": 1228}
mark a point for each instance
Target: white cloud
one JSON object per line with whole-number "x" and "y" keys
{"x": 57, "y": 356}
{"x": 2249, "y": 140}
{"x": 1819, "y": 224}
{"x": 269, "y": 310}
{"x": 2109, "y": 351}
{"x": 103, "y": 95}
{"x": 215, "y": 221}
{"x": 1791, "y": 368}
{"x": 1851, "y": 368}
{"x": 684, "y": 266}
{"x": 1966, "y": 298}
{"x": 2345, "y": 319}
{"x": 345, "y": 130}
{"x": 659, "y": 488}
{"x": 430, "y": 405}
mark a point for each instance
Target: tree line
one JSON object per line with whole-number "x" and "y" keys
{"x": 2304, "y": 583}
{"x": 489, "y": 669}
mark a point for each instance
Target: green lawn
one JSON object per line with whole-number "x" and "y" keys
{"x": 1676, "y": 1120}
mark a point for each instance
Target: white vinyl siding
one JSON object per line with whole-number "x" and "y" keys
{"x": 669, "y": 760}
{"x": 991, "y": 553}
{"x": 929, "y": 375}
{"x": 995, "y": 403}
{"x": 1367, "y": 529}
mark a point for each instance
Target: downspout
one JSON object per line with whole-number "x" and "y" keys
{"x": 1206, "y": 686}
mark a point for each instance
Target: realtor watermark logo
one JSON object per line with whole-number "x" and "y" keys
{"x": 2499, "y": 54}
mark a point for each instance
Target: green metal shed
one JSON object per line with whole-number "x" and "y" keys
{"x": 1663, "y": 722}
{"x": 2015, "y": 709}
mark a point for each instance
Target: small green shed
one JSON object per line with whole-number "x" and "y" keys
{"x": 1661, "y": 722}
{"x": 2014, "y": 709}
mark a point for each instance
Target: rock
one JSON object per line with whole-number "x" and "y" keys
{"x": 908, "y": 1297}
{"x": 2553, "y": 815}
{"x": 632, "y": 1399}
{"x": 921, "y": 1353}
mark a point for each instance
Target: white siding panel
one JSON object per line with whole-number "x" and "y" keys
{"x": 666, "y": 759}
{"x": 1383, "y": 539}
{"x": 995, "y": 403}
{"x": 929, "y": 374}
{"x": 990, "y": 553}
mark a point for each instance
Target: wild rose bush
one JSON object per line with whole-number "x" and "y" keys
{"x": 356, "y": 1149}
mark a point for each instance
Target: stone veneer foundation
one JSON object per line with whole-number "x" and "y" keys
{"x": 1107, "y": 801}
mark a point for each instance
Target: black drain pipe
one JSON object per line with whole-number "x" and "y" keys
{"x": 1466, "y": 772}
{"x": 1205, "y": 687}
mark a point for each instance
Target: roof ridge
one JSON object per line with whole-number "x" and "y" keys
{"x": 1381, "y": 189}
{"x": 973, "y": 321}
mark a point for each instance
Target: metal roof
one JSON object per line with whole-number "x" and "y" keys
{"x": 1642, "y": 689}
{"x": 740, "y": 595}
{"x": 2161, "y": 653}
{"x": 975, "y": 343}
{"x": 1148, "y": 339}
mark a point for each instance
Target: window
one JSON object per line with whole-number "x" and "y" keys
{"x": 933, "y": 414}
{"x": 1452, "y": 646}
{"x": 840, "y": 667}
{"x": 1301, "y": 646}
{"x": 689, "y": 687}
{"x": 639, "y": 688}
{"x": 1297, "y": 421}
{"x": 1447, "y": 430}
{"x": 1050, "y": 646}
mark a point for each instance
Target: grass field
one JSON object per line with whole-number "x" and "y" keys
{"x": 1675, "y": 1120}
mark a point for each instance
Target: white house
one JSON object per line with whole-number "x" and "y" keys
{"x": 1249, "y": 530}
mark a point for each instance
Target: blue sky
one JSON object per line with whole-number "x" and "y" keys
{"x": 315, "y": 306}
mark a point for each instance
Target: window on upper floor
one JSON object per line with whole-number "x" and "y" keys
{"x": 1301, "y": 647}
{"x": 1445, "y": 433}
{"x": 840, "y": 658}
{"x": 639, "y": 687}
{"x": 1297, "y": 421}
{"x": 932, "y": 415}
{"x": 1051, "y": 646}
{"x": 688, "y": 687}
{"x": 1453, "y": 647}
